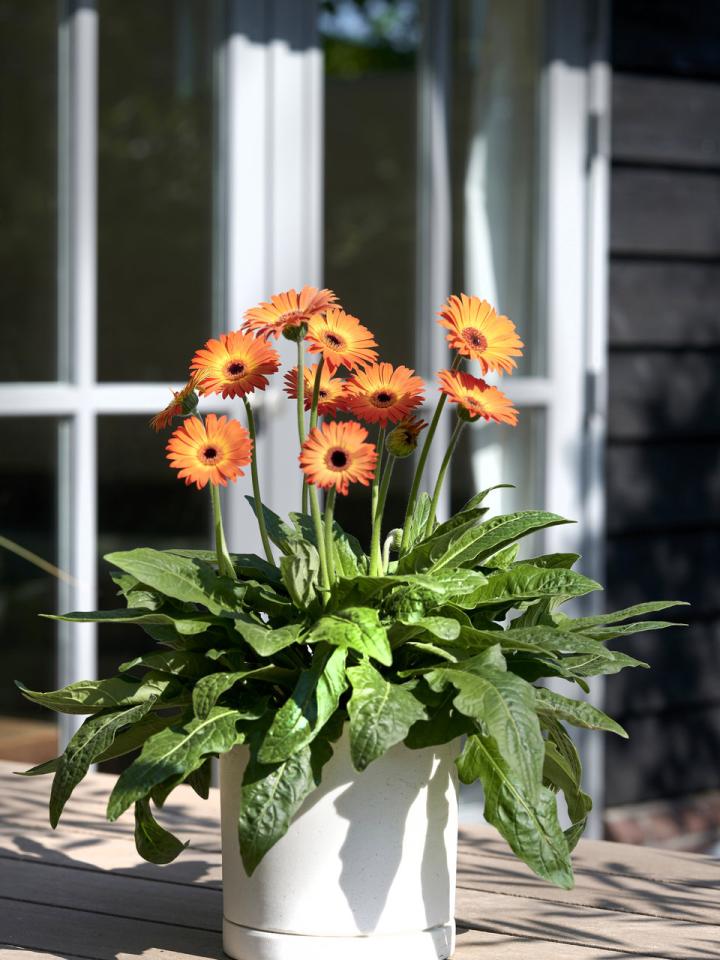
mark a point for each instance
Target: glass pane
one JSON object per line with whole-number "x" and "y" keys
{"x": 155, "y": 191}
{"x": 492, "y": 453}
{"x": 28, "y": 511}
{"x": 141, "y": 503}
{"x": 496, "y": 60}
{"x": 370, "y": 169}
{"x": 28, "y": 133}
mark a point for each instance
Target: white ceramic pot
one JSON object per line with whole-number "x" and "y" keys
{"x": 366, "y": 870}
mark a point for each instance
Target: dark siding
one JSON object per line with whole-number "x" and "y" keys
{"x": 663, "y": 457}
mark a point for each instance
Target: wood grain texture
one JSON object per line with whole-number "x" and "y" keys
{"x": 664, "y": 212}
{"x": 83, "y": 892}
{"x": 667, "y": 305}
{"x": 665, "y": 120}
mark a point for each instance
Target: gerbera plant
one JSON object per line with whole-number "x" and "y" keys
{"x": 433, "y": 632}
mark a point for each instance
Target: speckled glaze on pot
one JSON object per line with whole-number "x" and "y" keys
{"x": 367, "y": 868}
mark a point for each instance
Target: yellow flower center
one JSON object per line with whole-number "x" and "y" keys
{"x": 337, "y": 459}
{"x": 473, "y": 338}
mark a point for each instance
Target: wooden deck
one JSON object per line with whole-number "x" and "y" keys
{"x": 84, "y": 892}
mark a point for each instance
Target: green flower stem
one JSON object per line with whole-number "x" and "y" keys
{"x": 301, "y": 409}
{"x": 329, "y": 540}
{"x": 316, "y": 393}
{"x": 225, "y": 565}
{"x": 319, "y": 539}
{"x": 455, "y": 436}
{"x": 378, "y": 474}
{"x": 422, "y": 461}
{"x": 375, "y": 558}
{"x": 256, "y": 483}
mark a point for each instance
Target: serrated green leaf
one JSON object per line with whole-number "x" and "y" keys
{"x": 176, "y": 751}
{"x": 93, "y": 739}
{"x": 381, "y": 714}
{"x": 578, "y": 712}
{"x": 92, "y": 696}
{"x": 357, "y": 628}
{"x": 530, "y": 826}
{"x": 483, "y": 541}
{"x": 300, "y": 571}
{"x": 187, "y": 626}
{"x": 182, "y": 578}
{"x": 153, "y": 842}
{"x": 265, "y": 641}
{"x": 311, "y": 704}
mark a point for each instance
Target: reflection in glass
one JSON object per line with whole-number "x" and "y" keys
{"x": 28, "y": 132}
{"x": 370, "y": 176}
{"x": 492, "y": 453}
{"x": 140, "y": 503}
{"x": 495, "y": 148}
{"x": 155, "y": 202}
{"x": 27, "y": 518}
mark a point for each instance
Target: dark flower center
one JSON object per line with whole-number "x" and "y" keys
{"x": 209, "y": 454}
{"x": 235, "y": 368}
{"x": 475, "y": 339}
{"x": 322, "y": 394}
{"x": 383, "y": 398}
{"x": 338, "y": 459}
{"x": 332, "y": 341}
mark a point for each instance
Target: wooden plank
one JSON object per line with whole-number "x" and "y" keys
{"x": 662, "y": 486}
{"x": 480, "y": 945}
{"x": 602, "y": 929}
{"x": 664, "y": 304}
{"x": 665, "y": 120}
{"x": 671, "y": 755}
{"x": 666, "y": 213}
{"x": 666, "y": 37}
{"x": 664, "y": 395}
{"x": 685, "y": 666}
{"x": 680, "y": 566}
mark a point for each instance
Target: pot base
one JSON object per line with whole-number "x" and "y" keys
{"x": 246, "y": 943}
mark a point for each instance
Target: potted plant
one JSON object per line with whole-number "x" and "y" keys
{"x": 342, "y": 689}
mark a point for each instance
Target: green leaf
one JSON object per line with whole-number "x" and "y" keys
{"x": 381, "y": 714}
{"x": 553, "y": 560}
{"x": 313, "y": 701}
{"x": 529, "y": 825}
{"x": 653, "y": 606}
{"x": 481, "y": 542}
{"x": 480, "y": 497}
{"x": 152, "y": 841}
{"x": 603, "y": 634}
{"x": 358, "y": 628}
{"x": 300, "y": 572}
{"x": 278, "y": 531}
{"x": 349, "y": 554}
{"x": 177, "y": 663}
{"x": 192, "y": 581}
{"x": 444, "y": 628}
{"x": 443, "y": 723}
{"x": 524, "y": 582}
{"x": 208, "y": 690}
{"x": 92, "y": 696}
{"x": 503, "y": 559}
{"x": 271, "y": 796}
{"x": 265, "y": 641}
{"x": 176, "y": 751}
{"x": 248, "y": 565}
{"x": 601, "y": 663}
{"x": 419, "y": 518}
{"x": 187, "y": 626}
{"x": 503, "y": 706}
{"x": 93, "y": 738}
{"x": 578, "y": 712}
{"x": 562, "y": 770}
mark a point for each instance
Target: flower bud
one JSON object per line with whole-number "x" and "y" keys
{"x": 403, "y": 440}
{"x": 295, "y": 331}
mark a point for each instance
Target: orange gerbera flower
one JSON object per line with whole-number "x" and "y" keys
{"x": 288, "y": 309}
{"x": 235, "y": 365}
{"x": 341, "y": 339}
{"x": 477, "y": 331}
{"x": 336, "y": 455}
{"x": 476, "y": 397}
{"x": 213, "y": 451}
{"x": 382, "y": 393}
{"x": 330, "y": 396}
{"x": 184, "y": 401}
